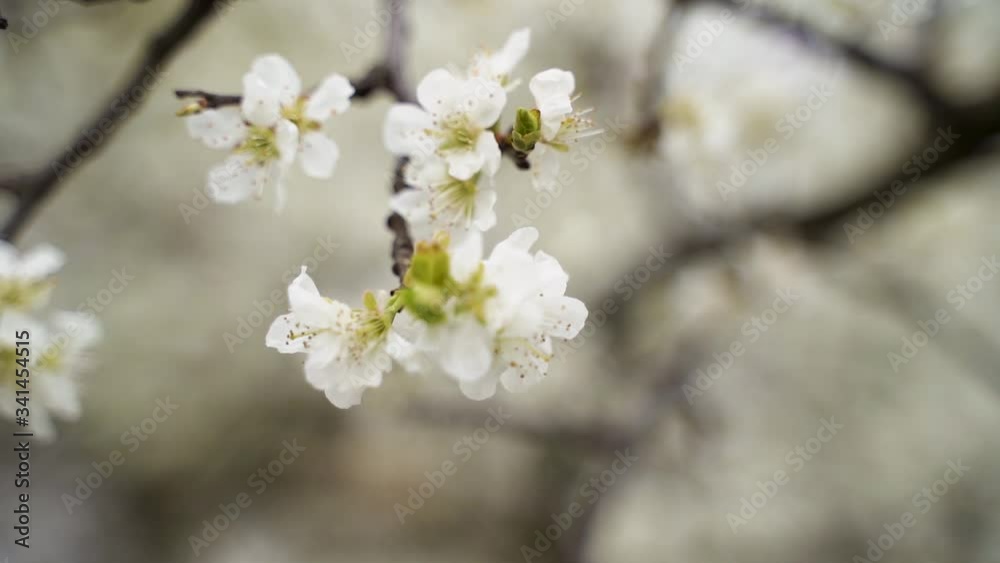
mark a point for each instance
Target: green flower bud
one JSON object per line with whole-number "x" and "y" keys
{"x": 527, "y": 129}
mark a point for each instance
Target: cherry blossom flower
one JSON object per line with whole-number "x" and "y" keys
{"x": 497, "y": 317}
{"x": 59, "y": 354}
{"x": 346, "y": 348}
{"x": 275, "y": 124}
{"x": 26, "y": 279}
{"x": 560, "y": 125}
{"x": 438, "y": 201}
{"x": 499, "y": 65}
{"x": 453, "y": 122}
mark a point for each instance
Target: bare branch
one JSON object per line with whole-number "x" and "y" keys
{"x": 33, "y": 189}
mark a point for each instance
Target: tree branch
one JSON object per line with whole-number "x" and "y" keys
{"x": 31, "y": 190}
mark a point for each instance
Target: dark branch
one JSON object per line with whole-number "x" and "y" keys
{"x": 209, "y": 100}
{"x": 32, "y": 190}
{"x": 402, "y": 242}
{"x": 379, "y": 78}
{"x": 519, "y": 158}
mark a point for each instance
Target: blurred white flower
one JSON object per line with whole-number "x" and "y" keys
{"x": 26, "y": 279}
{"x": 438, "y": 201}
{"x": 560, "y": 125}
{"x": 497, "y": 317}
{"x": 499, "y": 65}
{"x": 452, "y": 122}
{"x": 345, "y": 347}
{"x": 58, "y": 354}
{"x": 275, "y": 124}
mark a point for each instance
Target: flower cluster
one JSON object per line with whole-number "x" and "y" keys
{"x": 57, "y": 342}
{"x": 453, "y": 138}
{"x": 479, "y": 321}
{"x": 275, "y": 124}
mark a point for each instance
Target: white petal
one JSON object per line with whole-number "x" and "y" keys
{"x": 466, "y": 256}
{"x": 553, "y": 90}
{"x": 415, "y": 206}
{"x": 552, "y": 279}
{"x": 479, "y": 389}
{"x": 488, "y": 148}
{"x": 404, "y": 132}
{"x": 279, "y": 336}
{"x": 439, "y": 92}
{"x": 344, "y": 397}
{"x": 465, "y": 349}
{"x": 9, "y": 256}
{"x": 233, "y": 181}
{"x": 483, "y": 101}
{"x": 287, "y": 139}
{"x": 333, "y": 96}
{"x": 41, "y": 262}
{"x": 314, "y": 310}
{"x": 218, "y": 128}
{"x": 484, "y": 217}
{"x": 526, "y": 365}
{"x": 516, "y": 47}
{"x": 59, "y": 394}
{"x": 82, "y": 330}
{"x": 545, "y": 167}
{"x": 277, "y": 74}
{"x": 521, "y": 240}
{"x": 464, "y": 164}
{"x": 564, "y": 316}
{"x": 319, "y": 155}
{"x": 261, "y": 105}
{"x": 41, "y": 425}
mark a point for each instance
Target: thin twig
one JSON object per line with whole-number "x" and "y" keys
{"x": 33, "y": 189}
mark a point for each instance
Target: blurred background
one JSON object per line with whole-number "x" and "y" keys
{"x": 772, "y": 391}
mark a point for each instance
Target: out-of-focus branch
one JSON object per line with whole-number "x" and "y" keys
{"x": 31, "y": 190}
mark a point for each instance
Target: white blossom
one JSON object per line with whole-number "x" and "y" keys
{"x": 561, "y": 126}
{"x": 499, "y": 65}
{"x": 26, "y": 280}
{"x": 500, "y": 325}
{"x": 438, "y": 201}
{"x": 275, "y": 123}
{"x": 453, "y": 122}
{"x": 58, "y": 354}
{"x": 346, "y": 348}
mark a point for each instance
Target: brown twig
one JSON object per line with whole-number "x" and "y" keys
{"x": 402, "y": 242}
{"x": 31, "y": 190}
